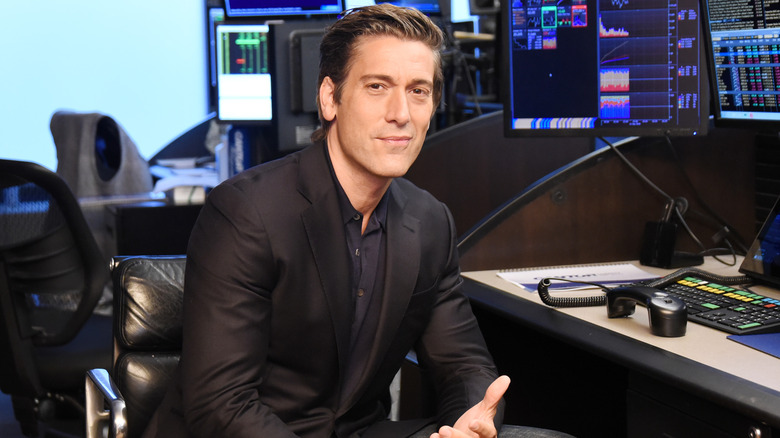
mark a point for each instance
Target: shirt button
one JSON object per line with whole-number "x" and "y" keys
{"x": 357, "y": 252}
{"x": 356, "y": 217}
{"x": 361, "y": 292}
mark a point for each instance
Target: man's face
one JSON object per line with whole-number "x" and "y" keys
{"x": 386, "y": 106}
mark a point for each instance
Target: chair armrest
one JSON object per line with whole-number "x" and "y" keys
{"x": 105, "y": 406}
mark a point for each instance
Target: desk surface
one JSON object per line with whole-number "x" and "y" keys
{"x": 703, "y": 360}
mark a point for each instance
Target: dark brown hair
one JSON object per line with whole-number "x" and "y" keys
{"x": 338, "y": 45}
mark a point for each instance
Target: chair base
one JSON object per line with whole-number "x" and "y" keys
{"x": 57, "y": 417}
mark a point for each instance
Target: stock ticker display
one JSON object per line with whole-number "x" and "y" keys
{"x": 745, "y": 38}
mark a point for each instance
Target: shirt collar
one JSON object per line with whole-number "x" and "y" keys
{"x": 348, "y": 212}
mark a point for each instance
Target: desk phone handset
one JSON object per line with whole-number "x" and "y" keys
{"x": 668, "y": 315}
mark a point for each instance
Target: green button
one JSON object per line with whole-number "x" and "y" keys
{"x": 710, "y": 306}
{"x": 739, "y": 309}
{"x": 751, "y": 325}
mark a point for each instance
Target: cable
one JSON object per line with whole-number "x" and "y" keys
{"x": 595, "y": 300}
{"x": 600, "y": 300}
{"x": 731, "y": 280}
{"x": 637, "y": 171}
{"x": 674, "y": 202}
{"x": 718, "y": 219}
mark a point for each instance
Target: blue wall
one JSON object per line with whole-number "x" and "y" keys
{"x": 141, "y": 63}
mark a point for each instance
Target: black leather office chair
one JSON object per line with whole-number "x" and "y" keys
{"x": 52, "y": 276}
{"x": 148, "y": 293}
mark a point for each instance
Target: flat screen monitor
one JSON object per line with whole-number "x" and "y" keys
{"x": 744, "y": 37}
{"x": 244, "y": 73}
{"x": 277, "y": 8}
{"x": 603, "y": 67}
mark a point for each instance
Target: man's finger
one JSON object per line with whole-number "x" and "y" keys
{"x": 495, "y": 391}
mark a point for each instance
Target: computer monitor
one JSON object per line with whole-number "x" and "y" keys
{"x": 244, "y": 73}
{"x": 603, "y": 67}
{"x": 282, "y": 8}
{"x": 297, "y": 44}
{"x": 744, "y": 58}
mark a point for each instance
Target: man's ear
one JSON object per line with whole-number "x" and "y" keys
{"x": 328, "y": 99}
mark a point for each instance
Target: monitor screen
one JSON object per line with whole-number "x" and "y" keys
{"x": 274, "y": 8}
{"x": 244, "y": 73}
{"x": 745, "y": 60}
{"x": 603, "y": 67}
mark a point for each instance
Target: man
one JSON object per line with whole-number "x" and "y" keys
{"x": 310, "y": 278}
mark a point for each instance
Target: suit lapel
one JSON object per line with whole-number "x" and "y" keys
{"x": 403, "y": 263}
{"x": 322, "y": 221}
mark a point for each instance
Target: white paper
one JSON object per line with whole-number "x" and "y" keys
{"x": 609, "y": 274}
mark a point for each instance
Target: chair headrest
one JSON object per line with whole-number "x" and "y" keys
{"x": 148, "y": 302}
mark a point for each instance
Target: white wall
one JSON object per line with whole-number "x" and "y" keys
{"x": 141, "y": 63}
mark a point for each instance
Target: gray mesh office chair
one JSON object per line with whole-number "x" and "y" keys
{"x": 52, "y": 275}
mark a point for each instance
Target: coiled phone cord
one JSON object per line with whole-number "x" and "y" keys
{"x": 601, "y": 300}
{"x": 595, "y": 300}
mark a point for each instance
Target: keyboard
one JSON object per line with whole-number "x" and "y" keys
{"x": 726, "y": 308}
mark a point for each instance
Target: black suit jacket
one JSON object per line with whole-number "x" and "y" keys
{"x": 267, "y": 311}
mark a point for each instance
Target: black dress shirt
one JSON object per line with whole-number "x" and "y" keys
{"x": 367, "y": 261}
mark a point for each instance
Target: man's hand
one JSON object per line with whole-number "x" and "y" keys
{"x": 477, "y": 422}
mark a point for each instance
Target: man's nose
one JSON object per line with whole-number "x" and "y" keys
{"x": 398, "y": 107}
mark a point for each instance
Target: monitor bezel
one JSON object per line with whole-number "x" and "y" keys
{"x": 600, "y": 131}
{"x": 268, "y": 13}
{"x": 220, "y": 117}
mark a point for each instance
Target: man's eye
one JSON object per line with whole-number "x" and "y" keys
{"x": 420, "y": 91}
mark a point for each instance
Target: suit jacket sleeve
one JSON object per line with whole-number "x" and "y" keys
{"x": 226, "y": 325}
{"x": 452, "y": 348}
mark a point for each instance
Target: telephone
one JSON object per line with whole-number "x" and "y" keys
{"x": 668, "y": 315}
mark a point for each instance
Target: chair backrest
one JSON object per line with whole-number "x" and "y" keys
{"x": 148, "y": 293}
{"x": 52, "y": 273}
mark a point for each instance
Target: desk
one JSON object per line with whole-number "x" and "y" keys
{"x": 702, "y": 383}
